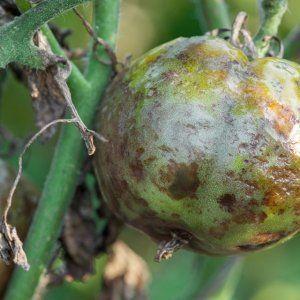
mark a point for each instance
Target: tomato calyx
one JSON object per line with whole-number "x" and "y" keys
{"x": 241, "y": 38}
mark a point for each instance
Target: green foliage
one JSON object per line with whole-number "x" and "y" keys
{"x": 16, "y": 36}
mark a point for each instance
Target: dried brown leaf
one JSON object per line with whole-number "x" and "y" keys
{"x": 126, "y": 275}
{"x": 11, "y": 247}
{"x": 47, "y": 88}
{"x": 82, "y": 239}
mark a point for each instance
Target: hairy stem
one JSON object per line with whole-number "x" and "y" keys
{"x": 272, "y": 12}
{"x": 213, "y": 14}
{"x": 67, "y": 161}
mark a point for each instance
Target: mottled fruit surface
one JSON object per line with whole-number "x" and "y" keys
{"x": 204, "y": 143}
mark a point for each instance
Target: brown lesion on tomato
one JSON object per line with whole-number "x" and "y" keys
{"x": 220, "y": 230}
{"x": 282, "y": 117}
{"x": 165, "y": 148}
{"x": 246, "y": 216}
{"x": 228, "y": 202}
{"x": 283, "y": 188}
{"x": 149, "y": 160}
{"x": 137, "y": 170}
{"x": 185, "y": 181}
{"x": 263, "y": 240}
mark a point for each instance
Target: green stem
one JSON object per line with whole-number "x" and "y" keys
{"x": 291, "y": 43}
{"x": 272, "y": 12}
{"x": 201, "y": 17}
{"x": 66, "y": 163}
{"x": 215, "y": 13}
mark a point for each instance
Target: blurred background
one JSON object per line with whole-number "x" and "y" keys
{"x": 273, "y": 274}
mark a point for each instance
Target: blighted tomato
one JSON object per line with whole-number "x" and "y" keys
{"x": 21, "y": 212}
{"x": 204, "y": 143}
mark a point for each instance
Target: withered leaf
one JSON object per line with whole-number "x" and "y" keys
{"x": 11, "y": 247}
{"x": 126, "y": 275}
{"x": 48, "y": 87}
{"x": 86, "y": 234}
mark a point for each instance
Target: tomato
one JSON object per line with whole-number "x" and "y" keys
{"x": 204, "y": 143}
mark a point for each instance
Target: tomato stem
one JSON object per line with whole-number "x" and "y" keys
{"x": 272, "y": 12}
{"x": 68, "y": 158}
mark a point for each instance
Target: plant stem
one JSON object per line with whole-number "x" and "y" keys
{"x": 201, "y": 16}
{"x": 272, "y": 12}
{"x": 291, "y": 43}
{"x": 215, "y": 13}
{"x": 66, "y": 163}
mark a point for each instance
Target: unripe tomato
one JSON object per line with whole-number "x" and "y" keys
{"x": 21, "y": 212}
{"x": 204, "y": 143}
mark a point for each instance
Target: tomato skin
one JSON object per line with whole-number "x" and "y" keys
{"x": 205, "y": 143}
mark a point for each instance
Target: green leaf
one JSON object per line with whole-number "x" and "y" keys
{"x": 16, "y": 44}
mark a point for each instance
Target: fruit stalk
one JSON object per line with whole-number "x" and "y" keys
{"x": 272, "y": 12}
{"x": 66, "y": 163}
{"x": 214, "y": 13}
{"x": 291, "y": 44}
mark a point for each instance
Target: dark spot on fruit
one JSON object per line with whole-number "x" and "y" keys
{"x": 137, "y": 170}
{"x": 165, "y": 148}
{"x": 227, "y": 201}
{"x": 139, "y": 152}
{"x": 149, "y": 160}
{"x": 262, "y": 240}
{"x": 220, "y": 230}
{"x": 185, "y": 181}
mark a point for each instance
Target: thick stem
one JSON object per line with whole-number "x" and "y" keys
{"x": 66, "y": 163}
{"x": 272, "y": 12}
{"x": 201, "y": 16}
{"x": 291, "y": 44}
{"x": 215, "y": 13}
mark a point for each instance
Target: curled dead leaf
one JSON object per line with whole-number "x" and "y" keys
{"x": 126, "y": 274}
{"x": 85, "y": 234}
{"x": 11, "y": 247}
{"x": 47, "y": 87}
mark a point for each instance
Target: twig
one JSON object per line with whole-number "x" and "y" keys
{"x": 214, "y": 12}
{"x": 20, "y": 163}
{"x": 272, "y": 13}
{"x": 98, "y": 41}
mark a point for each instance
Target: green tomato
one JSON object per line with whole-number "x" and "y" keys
{"x": 203, "y": 142}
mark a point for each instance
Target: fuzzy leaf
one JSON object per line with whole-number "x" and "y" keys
{"x": 16, "y": 44}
